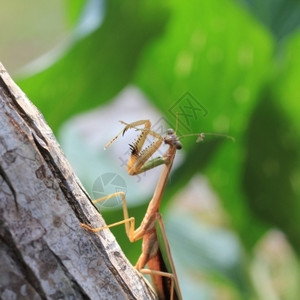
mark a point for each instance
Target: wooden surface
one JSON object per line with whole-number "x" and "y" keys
{"x": 44, "y": 252}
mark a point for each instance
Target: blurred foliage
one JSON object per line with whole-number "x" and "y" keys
{"x": 74, "y": 9}
{"x": 240, "y": 61}
{"x": 272, "y": 178}
{"x": 280, "y": 16}
{"x": 77, "y": 90}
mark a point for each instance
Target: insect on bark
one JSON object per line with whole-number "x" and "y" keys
{"x": 156, "y": 252}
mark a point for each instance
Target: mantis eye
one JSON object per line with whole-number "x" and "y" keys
{"x": 178, "y": 145}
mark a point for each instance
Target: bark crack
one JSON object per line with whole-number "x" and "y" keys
{"x": 10, "y": 186}
{"x": 17, "y": 257}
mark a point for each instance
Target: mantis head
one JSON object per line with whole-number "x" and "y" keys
{"x": 172, "y": 139}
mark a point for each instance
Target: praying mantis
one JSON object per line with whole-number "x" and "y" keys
{"x": 161, "y": 269}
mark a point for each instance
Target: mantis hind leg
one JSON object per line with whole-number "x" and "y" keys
{"x": 162, "y": 274}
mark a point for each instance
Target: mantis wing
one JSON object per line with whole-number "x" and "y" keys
{"x": 166, "y": 254}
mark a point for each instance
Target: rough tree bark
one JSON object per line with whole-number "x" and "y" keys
{"x": 44, "y": 252}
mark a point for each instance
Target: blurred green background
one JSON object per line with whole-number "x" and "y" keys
{"x": 231, "y": 67}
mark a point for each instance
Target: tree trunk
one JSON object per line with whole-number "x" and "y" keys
{"x": 44, "y": 252}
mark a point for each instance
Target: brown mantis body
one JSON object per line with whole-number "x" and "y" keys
{"x": 164, "y": 278}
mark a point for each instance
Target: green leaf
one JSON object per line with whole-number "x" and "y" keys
{"x": 280, "y": 16}
{"x": 268, "y": 169}
{"x": 74, "y": 9}
{"x": 97, "y": 67}
{"x": 286, "y": 83}
{"x": 285, "y": 153}
{"x": 218, "y": 55}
